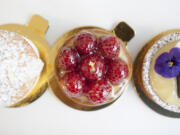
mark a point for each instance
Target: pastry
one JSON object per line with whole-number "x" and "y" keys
{"x": 159, "y": 68}
{"x": 20, "y": 67}
{"x": 92, "y": 67}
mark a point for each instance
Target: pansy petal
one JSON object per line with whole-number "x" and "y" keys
{"x": 161, "y": 63}
{"x": 172, "y": 72}
{"x": 166, "y": 71}
{"x": 162, "y": 66}
{"x": 175, "y": 55}
{"x": 163, "y": 58}
{"x": 175, "y": 52}
{"x": 175, "y": 71}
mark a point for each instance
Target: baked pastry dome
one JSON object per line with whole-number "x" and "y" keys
{"x": 20, "y": 67}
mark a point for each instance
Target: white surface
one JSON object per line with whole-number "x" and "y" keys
{"x": 128, "y": 115}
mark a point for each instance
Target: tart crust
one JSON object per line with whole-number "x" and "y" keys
{"x": 147, "y": 81}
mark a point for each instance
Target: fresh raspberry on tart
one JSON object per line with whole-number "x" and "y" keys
{"x": 85, "y": 42}
{"x": 109, "y": 46}
{"x": 74, "y": 84}
{"x": 68, "y": 58}
{"x": 117, "y": 71}
{"x": 99, "y": 91}
{"x": 93, "y": 67}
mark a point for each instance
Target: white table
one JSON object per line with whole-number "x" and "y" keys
{"x": 128, "y": 115}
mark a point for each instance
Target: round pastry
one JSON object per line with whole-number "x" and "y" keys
{"x": 156, "y": 73}
{"x": 20, "y": 67}
{"x": 92, "y": 68}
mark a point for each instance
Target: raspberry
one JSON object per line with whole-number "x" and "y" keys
{"x": 93, "y": 67}
{"x": 68, "y": 58}
{"x": 99, "y": 91}
{"x": 117, "y": 71}
{"x": 85, "y": 42}
{"x": 109, "y": 46}
{"x": 74, "y": 84}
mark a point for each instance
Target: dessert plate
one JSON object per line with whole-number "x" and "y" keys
{"x": 27, "y": 46}
{"x": 156, "y": 73}
{"x": 90, "y": 67}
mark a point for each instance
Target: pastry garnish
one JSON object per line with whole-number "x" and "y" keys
{"x": 168, "y": 65}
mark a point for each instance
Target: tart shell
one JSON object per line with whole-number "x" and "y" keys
{"x": 138, "y": 81}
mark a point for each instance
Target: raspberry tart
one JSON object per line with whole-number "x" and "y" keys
{"x": 92, "y": 68}
{"x": 158, "y": 64}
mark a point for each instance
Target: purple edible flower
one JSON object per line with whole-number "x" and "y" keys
{"x": 168, "y": 64}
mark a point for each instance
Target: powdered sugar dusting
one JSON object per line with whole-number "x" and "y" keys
{"x": 20, "y": 67}
{"x": 146, "y": 68}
